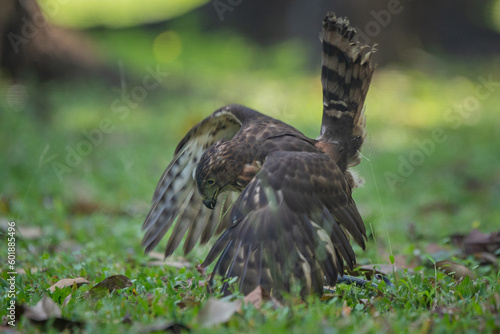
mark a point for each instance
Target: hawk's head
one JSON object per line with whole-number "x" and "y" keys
{"x": 217, "y": 172}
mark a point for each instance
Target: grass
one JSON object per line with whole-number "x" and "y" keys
{"x": 86, "y": 217}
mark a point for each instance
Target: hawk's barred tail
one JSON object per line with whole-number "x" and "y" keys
{"x": 345, "y": 76}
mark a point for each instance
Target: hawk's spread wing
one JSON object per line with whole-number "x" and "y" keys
{"x": 176, "y": 197}
{"x": 288, "y": 225}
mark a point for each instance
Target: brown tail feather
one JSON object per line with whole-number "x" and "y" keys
{"x": 345, "y": 76}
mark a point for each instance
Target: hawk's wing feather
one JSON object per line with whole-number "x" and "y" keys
{"x": 176, "y": 198}
{"x": 288, "y": 225}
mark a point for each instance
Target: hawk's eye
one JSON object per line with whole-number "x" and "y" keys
{"x": 210, "y": 182}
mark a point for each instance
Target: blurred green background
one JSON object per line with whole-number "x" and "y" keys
{"x": 95, "y": 99}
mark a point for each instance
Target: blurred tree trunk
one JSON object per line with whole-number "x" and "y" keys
{"x": 34, "y": 52}
{"x": 31, "y": 46}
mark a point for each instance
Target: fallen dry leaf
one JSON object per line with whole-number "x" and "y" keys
{"x": 477, "y": 242}
{"x": 109, "y": 285}
{"x": 45, "y": 309}
{"x": 256, "y": 297}
{"x": 457, "y": 271}
{"x": 79, "y": 281}
{"x": 486, "y": 258}
{"x": 217, "y": 311}
{"x": 259, "y": 295}
{"x": 346, "y": 310}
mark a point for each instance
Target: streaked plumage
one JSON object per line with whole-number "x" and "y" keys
{"x": 293, "y": 212}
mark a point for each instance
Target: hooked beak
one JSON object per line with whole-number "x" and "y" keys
{"x": 210, "y": 202}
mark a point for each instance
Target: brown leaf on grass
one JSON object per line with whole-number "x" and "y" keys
{"x": 457, "y": 271}
{"x": 217, "y": 311}
{"x": 486, "y": 258}
{"x": 46, "y": 310}
{"x": 109, "y": 285}
{"x": 79, "y": 281}
{"x": 477, "y": 242}
{"x": 346, "y": 310}
{"x": 258, "y": 296}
